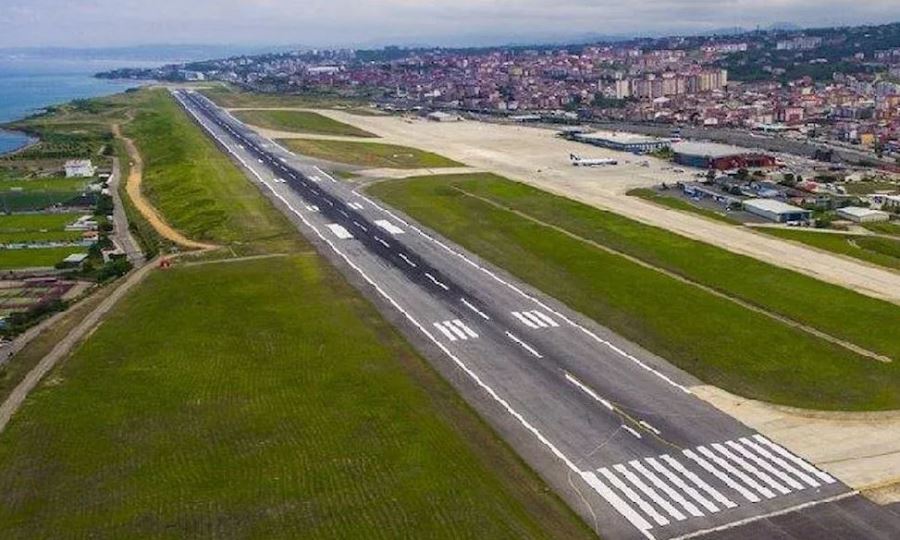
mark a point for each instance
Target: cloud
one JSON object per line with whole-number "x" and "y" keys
{"x": 353, "y": 22}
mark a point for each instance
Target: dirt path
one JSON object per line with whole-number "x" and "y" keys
{"x": 539, "y": 158}
{"x": 67, "y": 344}
{"x": 133, "y": 188}
{"x": 784, "y": 320}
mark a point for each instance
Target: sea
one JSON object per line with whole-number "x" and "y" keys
{"x": 27, "y": 85}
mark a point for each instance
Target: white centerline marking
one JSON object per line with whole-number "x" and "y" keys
{"x": 524, "y": 345}
{"x": 382, "y": 242}
{"x": 588, "y": 391}
{"x": 407, "y": 260}
{"x": 436, "y": 282}
{"x": 631, "y": 430}
{"x": 475, "y": 309}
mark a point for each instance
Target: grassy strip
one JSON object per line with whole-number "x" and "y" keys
{"x": 884, "y": 227}
{"x": 368, "y": 154}
{"x": 680, "y": 204}
{"x": 830, "y": 308}
{"x": 300, "y": 122}
{"x": 717, "y": 340}
{"x": 881, "y": 251}
{"x": 196, "y": 187}
{"x": 11, "y": 259}
{"x": 227, "y": 96}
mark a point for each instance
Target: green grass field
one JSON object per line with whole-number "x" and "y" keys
{"x": 19, "y": 194}
{"x": 37, "y": 228}
{"x": 717, "y": 340}
{"x": 300, "y": 122}
{"x": 368, "y": 154}
{"x": 196, "y": 187}
{"x": 266, "y": 400}
{"x": 881, "y": 251}
{"x": 888, "y": 227}
{"x": 681, "y": 204}
{"x": 864, "y": 188}
{"x": 11, "y": 259}
{"x": 229, "y": 97}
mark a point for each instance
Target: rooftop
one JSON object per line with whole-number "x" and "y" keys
{"x": 771, "y": 205}
{"x": 712, "y": 150}
{"x": 859, "y": 211}
{"x": 620, "y": 137}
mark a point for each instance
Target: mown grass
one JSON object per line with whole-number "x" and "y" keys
{"x": 884, "y": 227}
{"x": 196, "y": 187}
{"x": 268, "y": 401}
{"x": 230, "y": 97}
{"x": 12, "y": 259}
{"x": 300, "y": 122}
{"x": 717, "y": 340}
{"x": 680, "y": 204}
{"x": 881, "y": 251}
{"x": 369, "y": 154}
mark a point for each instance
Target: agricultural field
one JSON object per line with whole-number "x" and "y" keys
{"x": 368, "y": 154}
{"x": 18, "y": 194}
{"x": 300, "y": 122}
{"x": 866, "y": 188}
{"x": 16, "y": 259}
{"x": 881, "y": 251}
{"x": 530, "y": 233}
{"x": 680, "y": 204}
{"x": 37, "y": 228}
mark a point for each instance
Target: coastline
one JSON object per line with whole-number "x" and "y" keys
{"x": 28, "y": 142}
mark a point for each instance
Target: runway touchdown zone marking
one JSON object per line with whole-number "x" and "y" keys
{"x": 455, "y": 330}
{"x": 535, "y": 319}
{"x": 339, "y": 231}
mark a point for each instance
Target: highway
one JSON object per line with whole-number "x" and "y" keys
{"x": 612, "y": 428}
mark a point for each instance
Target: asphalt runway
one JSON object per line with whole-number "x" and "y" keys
{"x": 612, "y": 428}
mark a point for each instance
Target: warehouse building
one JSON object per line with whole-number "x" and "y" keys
{"x": 719, "y": 156}
{"x": 623, "y": 142}
{"x": 776, "y": 211}
{"x": 859, "y": 214}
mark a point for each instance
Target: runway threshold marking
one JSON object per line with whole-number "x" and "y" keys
{"x": 455, "y": 330}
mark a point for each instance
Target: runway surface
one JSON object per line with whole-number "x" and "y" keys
{"x": 613, "y": 429}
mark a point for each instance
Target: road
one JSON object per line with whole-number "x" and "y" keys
{"x": 613, "y": 429}
{"x": 122, "y": 236}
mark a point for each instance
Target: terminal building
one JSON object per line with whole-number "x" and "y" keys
{"x": 776, "y": 211}
{"x": 719, "y": 156}
{"x": 623, "y": 142}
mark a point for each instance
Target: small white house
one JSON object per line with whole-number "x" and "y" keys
{"x": 79, "y": 168}
{"x": 440, "y": 116}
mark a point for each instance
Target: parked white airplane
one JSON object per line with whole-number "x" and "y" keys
{"x": 591, "y": 162}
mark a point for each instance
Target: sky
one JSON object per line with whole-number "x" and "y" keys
{"x": 335, "y": 23}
